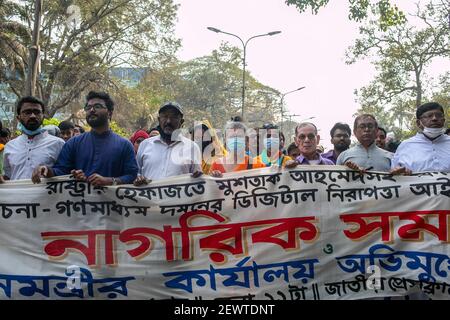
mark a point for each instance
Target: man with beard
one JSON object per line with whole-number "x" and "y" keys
{"x": 99, "y": 156}
{"x": 340, "y": 139}
{"x": 429, "y": 149}
{"x": 170, "y": 153}
{"x": 34, "y": 147}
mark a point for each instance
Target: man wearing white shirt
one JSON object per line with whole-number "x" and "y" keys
{"x": 34, "y": 147}
{"x": 170, "y": 153}
{"x": 429, "y": 149}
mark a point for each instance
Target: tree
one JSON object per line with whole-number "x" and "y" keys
{"x": 76, "y": 56}
{"x": 13, "y": 39}
{"x": 209, "y": 87}
{"x": 388, "y": 14}
{"x": 402, "y": 55}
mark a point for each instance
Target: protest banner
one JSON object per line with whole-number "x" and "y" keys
{"x": 313, "y": 233}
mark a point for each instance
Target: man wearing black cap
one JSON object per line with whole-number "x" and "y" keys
{"x": 429, "y": 149}
{"x": 170, "y": 153}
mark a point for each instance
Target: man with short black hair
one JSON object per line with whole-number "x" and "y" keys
{"x": 66, "y": 130}
{"x": 365, "y": 155}
{"x": 340, "y": 139}
{"x": 292, "y": 150}
{"x": 381, "y": 138}
{"x": 78, "y": 130}
{"x": 34, "y": 147}
{"x": 5, "y": 135}
{"x": 429, "y": 149}
{"x": 100, "y": 156}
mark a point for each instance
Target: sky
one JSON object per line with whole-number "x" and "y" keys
{"x": 310, "y": 52}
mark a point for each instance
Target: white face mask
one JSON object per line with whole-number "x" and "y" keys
{"x": 433, "y": 132}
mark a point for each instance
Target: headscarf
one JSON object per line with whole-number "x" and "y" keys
{"x": 138, "y": 134}
{"x": 219, "y": 149}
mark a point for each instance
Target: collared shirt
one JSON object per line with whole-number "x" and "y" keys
{"x": 322, "y": 161}
{"x": 158, "y": 160}
{"x": 107, "y": 154}
{"x": 22, "y": 155}
{"x": 421, "y": 154}
{"x": 330, "y": 155}
{"x": 374, "y": 158}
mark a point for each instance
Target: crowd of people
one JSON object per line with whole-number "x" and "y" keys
{"x": 101, "y": 157}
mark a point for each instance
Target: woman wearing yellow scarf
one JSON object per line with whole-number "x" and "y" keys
{"x": 209, "y": 144}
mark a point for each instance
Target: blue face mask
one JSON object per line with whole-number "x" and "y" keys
{"x": 272, "y": 143}
{"x": 236, "y": 144}
{"x": 22, "y": 128}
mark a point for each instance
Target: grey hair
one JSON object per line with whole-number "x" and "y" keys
{"x": 304, "y": 124}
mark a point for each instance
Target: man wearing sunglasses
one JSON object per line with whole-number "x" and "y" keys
{"x": 34, "y": 147}
{"x": 99, "y": 156}
{"x": 429, "y": 149}
{"x": 307, "y": 139}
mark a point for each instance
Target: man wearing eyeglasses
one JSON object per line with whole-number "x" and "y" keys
{"x": 429, "y": 149}
{"x": 99, "y": 156}
{"x": 365, "y": 155}
{"x": 307, "y": 139}
{"x": 34, "y": 147}
{"x": 340, "y": 139}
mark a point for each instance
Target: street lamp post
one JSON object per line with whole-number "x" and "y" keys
{"x": 244, "y": 44}
{"x": 296, "y": 115}
{"x": 33, "y": 59}
{"x": 289, "y": 134}
{"x": 282, "y": 102}
{"x": 310, "y": 118}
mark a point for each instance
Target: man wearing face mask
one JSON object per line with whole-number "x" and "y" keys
{"x": 170, "y": 153}
{"x": 34, "y": 147}
{"x": 429, "y": 149}
{"x": 236, "y": 158}
{"x": 272, "y": 154}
